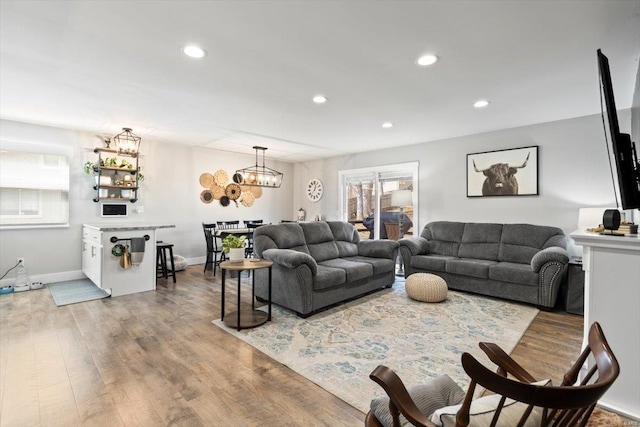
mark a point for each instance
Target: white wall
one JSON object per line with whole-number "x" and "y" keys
{"x": 170, "y": 194}
{"x": 573, "y": 173}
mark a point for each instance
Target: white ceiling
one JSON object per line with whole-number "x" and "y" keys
{"x": 102, "y": 65}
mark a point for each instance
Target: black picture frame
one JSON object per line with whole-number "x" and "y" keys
{"x": 496, "y": 173}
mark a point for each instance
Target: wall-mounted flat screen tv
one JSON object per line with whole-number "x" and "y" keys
{"x": 622, "y": 150}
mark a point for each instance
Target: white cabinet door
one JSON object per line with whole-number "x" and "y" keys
{"x": 96, "y": 263}
{"x": 86, "y": 257}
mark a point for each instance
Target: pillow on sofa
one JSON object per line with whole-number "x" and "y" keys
{"x": 436, "y": 393}
{"x": 482, "y": 411}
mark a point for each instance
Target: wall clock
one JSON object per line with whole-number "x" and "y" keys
{"x": 314, "y": 190}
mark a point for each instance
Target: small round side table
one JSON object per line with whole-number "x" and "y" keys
{"x": 243, "y": 319}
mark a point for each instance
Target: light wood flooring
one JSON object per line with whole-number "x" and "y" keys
{"x": 155, "y": 359}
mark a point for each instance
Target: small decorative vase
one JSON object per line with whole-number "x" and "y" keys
{"x": 236, "y": 254}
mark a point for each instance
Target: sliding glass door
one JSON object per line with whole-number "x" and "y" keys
{"x": 367, "y": 200}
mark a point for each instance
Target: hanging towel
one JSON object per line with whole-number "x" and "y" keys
{"x": 137, "y": 250}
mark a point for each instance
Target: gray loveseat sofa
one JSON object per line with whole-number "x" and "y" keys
{"x": 520, "y": 262}
{"x": 319, "y": 264}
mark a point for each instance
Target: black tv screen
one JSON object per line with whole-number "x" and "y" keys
{"x": 623, "y": 155}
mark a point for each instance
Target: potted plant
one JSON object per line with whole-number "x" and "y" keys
{"x": 234, "y": 247}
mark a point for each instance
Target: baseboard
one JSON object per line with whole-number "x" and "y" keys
{"x": 197, "y": 260}
{"x": 618, "y": 410}
{"x": 62, "y": 276}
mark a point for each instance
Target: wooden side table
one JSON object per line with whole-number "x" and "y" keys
{"x": 243, "y": 319}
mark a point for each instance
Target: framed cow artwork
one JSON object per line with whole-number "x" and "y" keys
{"x": 512, "y": 172}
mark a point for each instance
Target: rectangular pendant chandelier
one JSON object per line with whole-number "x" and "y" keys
{"x": 260, "y": 176}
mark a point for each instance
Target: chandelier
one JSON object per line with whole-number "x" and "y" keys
{"x": 127, "y": 142}
{"x": 260, "y": 176}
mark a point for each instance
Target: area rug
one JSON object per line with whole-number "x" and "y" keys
{"x": 337, "y": 349}
{"x": 74, "y": 291}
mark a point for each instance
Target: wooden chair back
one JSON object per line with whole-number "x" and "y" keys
{"x": 569, "y": 404}
{"x": 212, "y": 247}
{"x": 393, "y": 231}
{"x": 228, "y": 225}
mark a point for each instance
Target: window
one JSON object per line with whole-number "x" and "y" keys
{"x": 34, "y": 186}
{"x": 367, "y": 192}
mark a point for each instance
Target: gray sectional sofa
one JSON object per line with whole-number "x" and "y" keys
{"x": 520, "y": 262}
{"x": 319, "y": 264}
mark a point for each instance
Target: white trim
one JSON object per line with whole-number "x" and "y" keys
{"x": 410, "y": 167}
{"x": 62, "y": 276}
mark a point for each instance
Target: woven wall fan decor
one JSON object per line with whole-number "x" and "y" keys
{"x": 237, "y": 178}
{"x": 221, "y": 178}
{"x": 206, "y": 179}
{"x": 247, "y": 199}
{"x": 257, "y": 192}
{"x": 232, "y": 191}
{"x": 206, "y": 196}
{"x": 228, "y": 188}
{"x": 217, "y": 191}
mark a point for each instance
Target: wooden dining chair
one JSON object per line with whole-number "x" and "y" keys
{"x": 251, "y": 226}
{"x": 215, "y": 255}
{"x": 516, "y": 396}
{"x": 228, "y": 225}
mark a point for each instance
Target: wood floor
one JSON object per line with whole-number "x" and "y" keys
{"x": 155, "y": 359}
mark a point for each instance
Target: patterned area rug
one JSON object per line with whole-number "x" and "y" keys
{"x": 74, "y": 291}
{"x": 338, "y": 348}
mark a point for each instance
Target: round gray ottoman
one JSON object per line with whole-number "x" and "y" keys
{"x": 426, "y": 287}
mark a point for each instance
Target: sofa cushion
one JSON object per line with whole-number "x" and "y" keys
{"x": 320, "y": 240}
{"x": 520, "y": 242}
{"x": 514, "y": 273}
{"x": 279, "y": 236}
{"x": 480, "y": 241}
{"x": 430, "y": 262}
{"x": 444, "y": 237}
{"x": 380, "y": 265}
{"x": 469, "y": 267}
{"x": 346, "y": 237}
{"x": 328, "y": 277}
{"x": 354, "y": 270}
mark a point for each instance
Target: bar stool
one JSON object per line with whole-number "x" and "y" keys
{"x": 162, "y": 269}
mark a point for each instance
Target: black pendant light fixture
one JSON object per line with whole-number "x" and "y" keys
{"x": 260, "y": 176}
{"x": 127, "y": 142}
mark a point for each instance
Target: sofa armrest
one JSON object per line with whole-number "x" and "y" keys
{"x": 291, "y": 259}
{"x": 554, "y": 253}
{"x": 378, "y": 248}
{"x": 417, "y": 245}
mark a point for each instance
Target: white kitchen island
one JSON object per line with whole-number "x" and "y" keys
{"x": 104, "y": 269}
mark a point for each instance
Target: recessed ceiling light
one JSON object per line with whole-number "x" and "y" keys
{"x": 481, "y": 103}
{"x": 426, "y": 60}
{"x": 193, "y": 51}
{"x": 319, "y": 99}
{"x": 387, "y": 125}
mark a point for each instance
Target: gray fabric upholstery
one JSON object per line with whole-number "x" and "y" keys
{"x": 430, "y": 262}
{"x": 469, "y": 267}
{"x": 515, "y": 273}
{"x": 444, "y": 237}
{"x": 380, "y": 265}
{"x": 437, "y": 393}
{"x": 320, "y": 240}
{"x": 547, "y": 255}
{"x": 521, "y": 262}
{"x": 520, "y": 242}
{"x": 354, "y": 270}
{"x": 318, "y": 264}
{"x": 480, "y": 241}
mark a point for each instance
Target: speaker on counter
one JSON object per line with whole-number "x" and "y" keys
{"x": 611, "y": 221}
